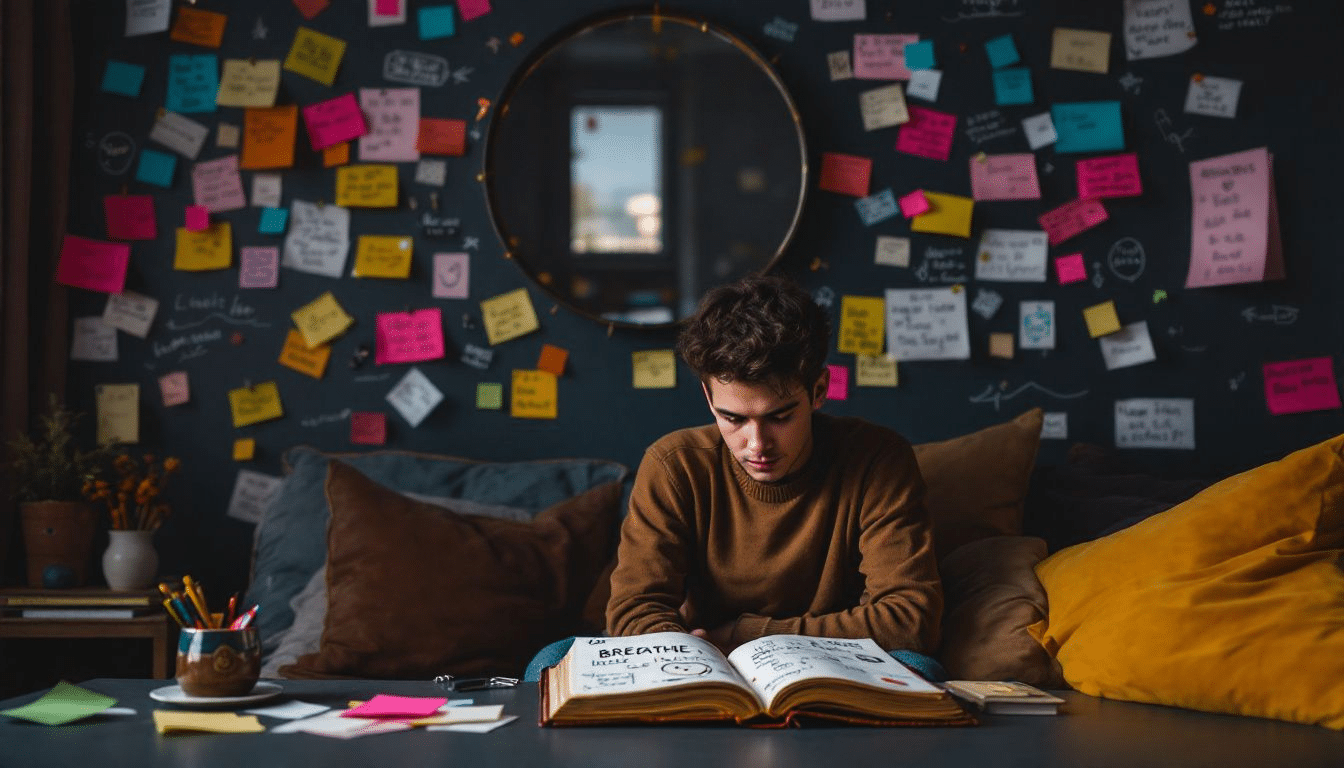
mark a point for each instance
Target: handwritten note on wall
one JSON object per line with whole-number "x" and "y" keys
{"x": 1234, "y": 230}
{"x": 319, "y": 238}
{"x": 1155, "y": 423}
{"x": 927, "y": 324}
{"x": 1012, "y": 255}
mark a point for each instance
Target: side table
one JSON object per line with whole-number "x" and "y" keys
{"x": 155, "y": 627}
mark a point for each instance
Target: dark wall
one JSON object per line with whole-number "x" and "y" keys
{"x": 1210, "y": 342}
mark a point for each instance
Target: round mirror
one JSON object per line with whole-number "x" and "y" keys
{"x": 640, "y": 159}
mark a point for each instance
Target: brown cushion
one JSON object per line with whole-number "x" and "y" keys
{"x": 415, "y": 590}
{"x": 977, "y": 483}
{"x": 992, "y": 595}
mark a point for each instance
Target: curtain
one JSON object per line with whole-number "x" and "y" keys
{"x": 36, "y": 84}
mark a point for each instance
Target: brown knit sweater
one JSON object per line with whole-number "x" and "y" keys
{"x": 842, "y": 549}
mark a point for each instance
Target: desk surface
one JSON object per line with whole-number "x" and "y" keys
{"x": 1090, "y": 732}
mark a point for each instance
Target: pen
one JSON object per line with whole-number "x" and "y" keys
{"x": 232, "y": 611}
{"x": 197, "y": 596}
{"x": 168, "y": 606}
{"x": 184, "y": 607}
{"x": 245, "y": 619}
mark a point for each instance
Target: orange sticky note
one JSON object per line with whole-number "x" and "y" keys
{"x": 199, "y": 27}
{"x": 336, "y": 154}
{"x": 1101, "y": 319}
{"x": 268, "y": 136}
{"x": 552, "y": 359}
{"x": 244, "y": 449}
{"x": 296, "y": 354}
{"x": 442, "y": 136}
{"x": 1001, "y": 345}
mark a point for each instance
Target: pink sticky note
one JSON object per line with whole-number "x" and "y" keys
{"x": 218, "y": 185}
{"x": 394, "y": 124}
{"x": 333, "y": 121}
{"x": 1234, "y": 233}
{"x": 472, "y": 9}
{"x": 881, "y": 57}
{"x": 914, "y": 204}
{"x": 408, "y": 337}
{"x": 198, "y": 218}
{"x": 1071, "y": 268}
{"x": 1295, "y": 386}
{"x": 928, "y": 133}
{"x": 387, "y": 706}
{"x": 1071, "y": 218}
{"x": 368, "y": 427}
{"x": 1005, "y": 177}
{"x": 174, "y": 388}
{"x": 259, "y": 267}
{"x": 838, "y": 388}
{"x": 1114, "y": 176}
{"x": 846, "y": 174}
{"x": 387, "y": 8}
{"x": 452, "y": 272}
{"x": 130, "y": 217}
{"x": 93, "y": 264}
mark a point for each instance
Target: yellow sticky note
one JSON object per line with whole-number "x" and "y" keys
{"x": 863, "y": 325}
{"x": 296, "y": 354}
{"x": 118, "y": 409}
{"x": 210, "y": 248}
{"x": 1083, "y": 50}
{"x": 1001, "y": 345}
{"x": 508, "y": 316}
{"x": 382, "y": 256}
{"x": 947, "y": 215}
{"x": 248, "y": 83}
{"x": 533, "y": 395}
{"x": 654, "y": 368}
{"x": 315, "y": 55}
{"x": 244, "y": 448}
{"x": 174, "y": 721}
{"x": 366, "y": 186}
{"x": 321, "y": 319}
{"x": 875, "y": 371}
{"x": 1101, "y": 319}
{"x": 254, "y": 404}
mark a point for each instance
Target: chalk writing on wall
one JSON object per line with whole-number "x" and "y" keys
{"x": 997, "y": 394}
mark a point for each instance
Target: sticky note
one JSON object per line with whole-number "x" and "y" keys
{"x": 1213, "y": 96}
{"x": 321, "y": 319}
{"x": 1112, "y": 176}
{"x": 254, "y": 404}
{"x": 1072, "y": 218}
{"x": 882, "y": 107}
{"x": 259, "y": 267}
{"x": 1070, "y": 268}
{"x": 199, "y": 27}
{"x": 879, "y": 371}
{"x": 228, "y": 135}
{"x": 414, "y": 397}
{"x": 1002, "y": 51}
{"x": 408, "y": 337}
{"x": 881, "y": 56}
{"x": 877, "y": 207}
{"x": 987, "y": 302}
{"x": 436, "y": 22}
{"x": 249, "y": 83}
{"x": 837, "y": 63}
{"x": 920, "y": 55}
{"x": 310, "y": 8}
{"x": 92, "y": 340}
{"x": 1012, "y": 255}
{"x": 1155, "y": 422}
{"x": 1101, "y": 319}
{"x": 928, "y": 133}
{"x": 268, "y": 137}
{"x": 1055, "y": 425}
{"x": 473, "y": 9}
{"x": 914, "y": 203}
{"x": 336, "y": 155}
{"x": 1088, "y": 126}
{"x": 947, "y": 215}
{"x": 244, "y": 449}
{"x": 1005, "y": 177}
{"x": 123, "y": 78}
{"x": 846, "y": 174}
{"x": 118, "y": 413}
{"x": 837, "y": 386}
{"x": 193, "y": 81}
{"x": 218, "y": 186}
{"x": 315, "y": 55}
{"x": 1039, "y": 130}
{"x": 174, "y": 388}
{"x": 211, "y": 248}
{"x": 334, "y": 121}
{"x": 892, "y": 251}
{"x": 64, "y": 703}
{"x": 862, "y": 325}
{"x": 927, "y": 323}
{"x": 318, "y": 240}
{"x": 383, "y": 13}
{"x": 654, "y": 369}
{"x": 155, "y": 168}
{"x": 1234, "y": 233}
{"x": 197, "y": 218}
{"x": 131, "y": 312}
{"x": 1129, "y": 346}
{"x": 252, "y": 494}
{"x": 1001, "y": 345}
{"x": 1036, "y": 325}
{"x": 552, "y": 359}
{"x": 477, "y": 357}
{"x": 838, "y": 10}
{"x": 179, "y": 133}
{"x": 367, "y": 186}
{"x": 1156, "y": 28}
{"x": 1082, "y": 50}
{"x": 272, "y": 221}
{"x": 145, "y": 17}
{"x": 431, "y": 172}
{"x": 1012, "y": 86}
{"x": 266, "y": 190}
{"x": 383, "y": 256}
{"x": 489, "y": 396}
{"x": 508, "y": 316}
{"x": 442, "y": 136}
{"x": 368, "y": 427}
{"x": 1298, "y": 386}
{"x": 534, "y": 395}
{"x": 93, "y": 265}
{"x": 394, "y": 119}
{"x": 130, "y": 217}
{"x": 452, "y": 273}
{"x": 924, "y": 84}
{"x": 180, "y": 721}
{"x": 297, "y": 355}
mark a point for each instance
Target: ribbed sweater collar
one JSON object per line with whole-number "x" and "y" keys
{"x": 793, "y": 486}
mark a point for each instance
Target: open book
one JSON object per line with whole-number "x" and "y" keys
{"x": 774, "y": 680}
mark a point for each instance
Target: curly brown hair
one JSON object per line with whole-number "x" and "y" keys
{"x": 761, "y": 329}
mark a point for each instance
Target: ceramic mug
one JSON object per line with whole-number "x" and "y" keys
{"x": 218, "y": 662}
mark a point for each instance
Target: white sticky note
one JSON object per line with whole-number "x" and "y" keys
{"x": 1155, "y": 422}
{"x": 473, "y": 727}
{"x": 94, "y": 341}
{"x": 838, "y": 10}
{"x": 118, "y": 410}
{"x": 883, "y": 107}
{"x": 927, "y": 324}
{"x": 290, "y": 710}
{"x": 1155, "y": 28}
{"x": 180, "y": 134}
{"x": 266, "y": 189}
{"x": 414, "y": 397}
{"x": 131, "y": 312}
{"x": 892, "y": 251}
{"x": 1131, "y": 345}
{"x": 1036, "y": 326}
{"x": 144, "y": 17}
{"x": 252, "y": 493}
{"x": 431, "y": 172}
{"x": 1213, "y": 96}
{"x": 318, "y": 240}
{"x": 1012, "y": 255}
{"x": 1039, "y": 130}
{"x": 1055, "y": 425}
{"x": 924, "y": 84}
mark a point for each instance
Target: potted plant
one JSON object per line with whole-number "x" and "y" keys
{"x": 48, "y": 470}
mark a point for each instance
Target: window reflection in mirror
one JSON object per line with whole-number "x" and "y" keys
{"x": 633, "y": 163}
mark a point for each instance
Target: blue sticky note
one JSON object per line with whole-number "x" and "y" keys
{"x": 919, "y": 55}
{"x": 1088, "y": 126}
{"x": 156, "y": 168}
{"x": 436, "y": 21}
{"x": 273, "y": 221}
{"x": 1002, "y": 51}
{"x": 1013, "y": 86}
{"x": 877, "y": 207}
{"x": 123, "y": 78}
{"x": 193, "y": 81}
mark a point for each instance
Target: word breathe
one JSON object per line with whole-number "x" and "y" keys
{"x": 641, "y": 650}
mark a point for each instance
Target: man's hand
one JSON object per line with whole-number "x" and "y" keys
{"x": 720, "y": 636}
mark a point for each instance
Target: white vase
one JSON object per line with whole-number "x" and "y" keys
{"x": 130, "y": 561}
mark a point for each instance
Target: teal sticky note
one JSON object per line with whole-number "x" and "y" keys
{"x": 1002, "y": 51}
{"x": 123, "y": 78}
{"x": 193, "y": 81}
{"x": 156, "y": 168}
{"x": 273, "y": 221}
{"x": 1012, "y": 85}
{"x": 1088, "y": 126}
{"x": 64, "y": 703}
{"x": 877, "y": 207}
{"x": 436, "y": 21}
{"x": 919, "y": 55}
{"x": 489, "y": 396}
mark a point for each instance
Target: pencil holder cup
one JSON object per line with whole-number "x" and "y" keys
{"x": 218, "y": 662}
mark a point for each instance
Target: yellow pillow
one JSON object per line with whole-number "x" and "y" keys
{"x": 1230, "y": 602}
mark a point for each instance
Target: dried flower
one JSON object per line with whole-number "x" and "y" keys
{"x": 133, "y": 501}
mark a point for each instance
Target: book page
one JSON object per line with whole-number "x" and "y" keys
{"x": 771, "y": 663}
{"x": 607, "y": 665}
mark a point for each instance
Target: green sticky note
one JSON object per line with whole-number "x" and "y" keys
{"x": 489, "y": 396}
{"x": 63, "y": 704}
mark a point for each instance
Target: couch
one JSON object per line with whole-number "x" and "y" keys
{"x": 1220, "y": 596}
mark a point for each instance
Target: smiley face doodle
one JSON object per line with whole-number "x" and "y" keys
{"x": 686, "y": 668}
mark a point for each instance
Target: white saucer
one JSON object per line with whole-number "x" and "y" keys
{"x": 172, "y": 694}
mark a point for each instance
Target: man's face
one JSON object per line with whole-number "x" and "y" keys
{"x": 770, "y": 434}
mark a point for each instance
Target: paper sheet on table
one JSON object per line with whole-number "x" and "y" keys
{"x": 332, "y": 725}
{"x": 218, "y": 186}
{"x": 386, "y": 705}
{"x": 1083, "y": 50}
{"x": 255, "y": 404}
{"x": 654, "y": 368}
{"x": 1297, "y": 386}
{"x": 408, "y": 337}
{"x": 1155, "y": 423}
{"x": 64, "y": 703}
{"x": 321, "y": 319}
{"x": 481, "y": 713}
{"x": 534, "y": 395}
{"x": 1234, "y": 220}
{"x": 193, "y": 81}
{"x": 508, "y": 316}
{"x": 383, "y": 256}
{"x": 208, "y": 249}
{"x": 414, "y": 397}
{"x": 248, "y": 83}
{"x": 118, "y": 413}
{"x": 1005, "y": 177}
{"x": 315, "y": 55}
{"x": 1012, "y": 255}
{"x": 1155, "y": 28}
{"x": 881, "y": 56}
{"x": 176, "y": 721}
{"x": 393, "y": 116}
{"x": 130, "y": 217}
{"x": 268, "y": 136}
{"x": 474, "y": 727}
{"x": 862, "y": 325}
{"x": 947, "y": 215}
{"x": 1113, "y": 176}
{"x": 367, "y": 186}
{"x": 318, "y": 240}
{"x": 927, "y": 324}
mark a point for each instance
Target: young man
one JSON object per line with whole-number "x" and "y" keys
{"x": 776, "y": 518}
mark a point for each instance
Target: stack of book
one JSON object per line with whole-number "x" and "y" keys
{"x": 90, "y": 603}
